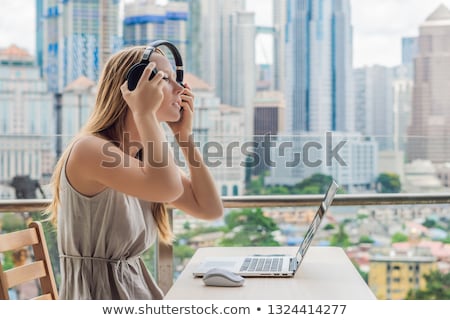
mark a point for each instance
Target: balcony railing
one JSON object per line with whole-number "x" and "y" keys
{"x": 165, "y": 253}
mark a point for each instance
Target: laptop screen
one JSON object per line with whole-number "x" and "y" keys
{"x": 328, "y": 199}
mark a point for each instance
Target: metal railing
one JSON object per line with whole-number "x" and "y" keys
{"x": 165, "y": 253}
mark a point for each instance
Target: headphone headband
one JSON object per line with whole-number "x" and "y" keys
{"x": 173, "y": 49}
{"x": 136, "y": 70}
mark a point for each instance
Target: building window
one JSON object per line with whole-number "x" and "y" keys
{"x": 224, "y": 190}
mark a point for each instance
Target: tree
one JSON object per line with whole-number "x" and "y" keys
{"x": 328, "y": 226}
{"x": 429, "y": 223}
{"x": 437, "y": 287}
{"x": 340, "y": 238}
{"x": 12, "y": 222}
{"x": 249, "y": 227}
{"x": 365, "y": 239}
{"x": 399, "y": 237}
{"x": 316, "y": 184}
{"x": 388, "y": 183}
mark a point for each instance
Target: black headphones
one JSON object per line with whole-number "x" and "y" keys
{"x": 135, "y": 72}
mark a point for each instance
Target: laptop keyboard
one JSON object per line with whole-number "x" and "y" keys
{"x": 265, "y": 264}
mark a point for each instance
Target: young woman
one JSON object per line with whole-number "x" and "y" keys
{"x": 112, "y": 182}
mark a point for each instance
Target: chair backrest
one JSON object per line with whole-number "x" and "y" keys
{"x": 40, "y": 268}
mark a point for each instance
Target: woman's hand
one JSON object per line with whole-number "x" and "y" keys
{"x": 182, "y": 129}
{"x": 147, "y": 96}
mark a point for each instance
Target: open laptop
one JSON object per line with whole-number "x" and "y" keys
{"x": 271, "y": 265}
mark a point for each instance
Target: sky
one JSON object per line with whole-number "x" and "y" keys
{"x": 378, "y": 26}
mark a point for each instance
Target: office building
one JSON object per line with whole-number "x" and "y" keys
{"x": 269, "y": 120}
{"x": 224, "y": 38}
{"x": 410, "y": 49}
{"x": 279, "y": 44}
{"x": 27, "y": 124}
{"x": 429, "y": 132}
{"x": 351, "y": 159}
{"x": 319, "y": 87}
{"x": 217, "y": 129}
{"x": 147, "y": 21}
{"x": 76, "y": 39}
{"x": 78, "y": 102}
{"x": 374, "y": 104}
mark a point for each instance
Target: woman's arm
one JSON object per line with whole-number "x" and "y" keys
{"x": 200, "y": 197}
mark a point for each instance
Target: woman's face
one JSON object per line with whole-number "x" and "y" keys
{"x": 170, "y": 106}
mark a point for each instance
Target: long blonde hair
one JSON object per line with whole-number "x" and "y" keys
{"x": 108, "y": 121}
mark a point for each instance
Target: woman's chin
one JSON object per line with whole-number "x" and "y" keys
{"x": 174, "y": 117}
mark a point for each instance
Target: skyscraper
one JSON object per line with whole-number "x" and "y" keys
{"x": 26, "y": 117}
{"x": 77, "y": 37}
{"x": 319, "y": 66}
{"x": 374, "y": 104}
{"x": 224, "y": 38}
{"x": 279, "y": 44}
{"x": 147, "y": 21}
{"x": 429, "y": 133}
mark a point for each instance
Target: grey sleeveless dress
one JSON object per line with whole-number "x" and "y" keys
{"x": 100, "y": 239}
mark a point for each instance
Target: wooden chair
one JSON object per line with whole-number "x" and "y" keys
{"x": 40, "y": 268}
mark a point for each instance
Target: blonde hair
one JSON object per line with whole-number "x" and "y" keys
{"x": 107, "y": 121}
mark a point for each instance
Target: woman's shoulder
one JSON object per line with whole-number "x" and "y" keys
{"x": 83, "y": 162}
{"x": 88, "y": 147}
{"x": 89, "y": 151}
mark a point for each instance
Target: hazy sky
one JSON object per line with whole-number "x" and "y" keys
{"x": 378, "y": 26}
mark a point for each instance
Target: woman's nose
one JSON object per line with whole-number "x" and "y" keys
{"x": 179, "y": 87}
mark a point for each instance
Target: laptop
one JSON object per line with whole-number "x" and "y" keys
{"x": 271, "y": 265}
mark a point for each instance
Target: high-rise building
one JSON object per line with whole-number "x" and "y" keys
{"x": 402, "y": 99}
{"x": 269, "y": 120}
{"x": 216, "y": 127}
{"x": 351, "y": 159}
{"x": 224, "y": 38}
{"x": 147, "y": 21}
{"x": 319, "y": 70}
{"x": 77, "y": 37}
{"x": 78, "y": 101}
{"x": 374, "y": 104}
{"x": 279, "y": 44}
{"x": 26, "y": 117}
{"x": 429, "y": 132}
{"x": 410, "y": 48}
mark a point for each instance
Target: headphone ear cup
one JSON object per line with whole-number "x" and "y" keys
{"x": 135, "y": 73}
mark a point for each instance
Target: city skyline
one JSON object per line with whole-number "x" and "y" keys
{"x": 377, "y": 25}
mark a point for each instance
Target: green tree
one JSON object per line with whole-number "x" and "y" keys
{"x": 399, "y": 237}
{"x": 429, "y": 223}
{"x": 328, "y": 226}
{"x": 437, "y": 288}
{"x": 187, "y": 226}
{"x": 363, "y": 274}
{"x": 12, "y": 222}
{"x": 388, "y": 183}
{"x": 341, "y": 238}
{"x": 183, "y": 251}
{"x": 255, "y": 185}
{"x": 316, "y": 184}
{"x": 365, "y": 239}
{"x": 249, "y": 227}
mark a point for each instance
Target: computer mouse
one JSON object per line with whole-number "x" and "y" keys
{"x": 222, "y": 278}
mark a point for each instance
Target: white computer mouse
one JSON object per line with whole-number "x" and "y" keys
{"x": 222, "y": 278}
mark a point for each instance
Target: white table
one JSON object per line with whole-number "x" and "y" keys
{"x": 325, "y": 273}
